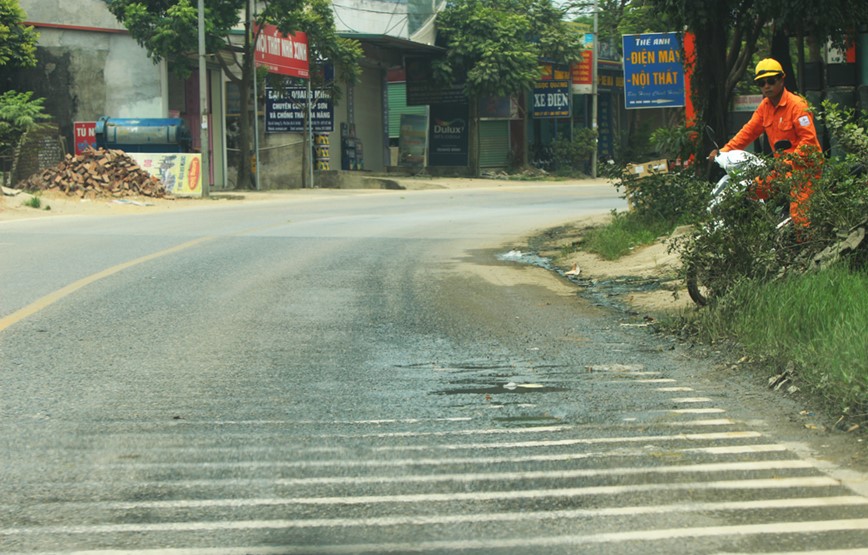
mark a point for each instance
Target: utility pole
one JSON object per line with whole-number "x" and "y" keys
{"x": 251, "y": 11}
{"x": 595, "y": 53}
{"x": 203, "y": 105}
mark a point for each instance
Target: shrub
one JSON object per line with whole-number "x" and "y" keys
{"x": 677, "y": 197}
{"x": 19, "y": 113}
{"x": 574, "y": 154}
{"x": 675, "y": 142}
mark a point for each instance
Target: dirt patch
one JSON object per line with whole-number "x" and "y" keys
{"x": 16, "y": 205}
{"x": 648, "y": 279}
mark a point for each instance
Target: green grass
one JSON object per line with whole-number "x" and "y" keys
{"x": 819, "y": 321}
{"x": 33, "y": 202}
{"x": 625, "y": 232}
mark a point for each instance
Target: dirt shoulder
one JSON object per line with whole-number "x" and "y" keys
{"x": 647, "y": 279}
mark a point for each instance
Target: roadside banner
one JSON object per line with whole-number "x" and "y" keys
{"x": 653, "y": 71}
{"x": 448, "y": 135}
{"x": 423, "y": 90}
{"x": 582, "y": 73}
{"x": 285, "y": 110}
{"x": 181, "y": 174}
{"x": 412, "y": 142}
{"x": 85, "y": 135}
{"x": 282, "y": 54}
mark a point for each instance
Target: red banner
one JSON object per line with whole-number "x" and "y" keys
{"x": 583, "y": 74}
{"x": 283, "y": 54}
{"x": 85, "y": 135}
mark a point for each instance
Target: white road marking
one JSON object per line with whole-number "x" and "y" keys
{"x": 429, "y": 520}
{"x": 576, "y": 441}
{"x": 823, "y": 552}
{"x": 736, "y": 449}
{"x": 444, "y": 461}
{"x": 740, "y": 530}
{"x": 752, "y": 466}
{"x": 775, "y": 483}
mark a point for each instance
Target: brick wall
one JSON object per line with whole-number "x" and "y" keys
{"x": 37, "y": 151}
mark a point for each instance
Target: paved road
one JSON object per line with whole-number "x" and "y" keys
{"x": 358, "y": 373}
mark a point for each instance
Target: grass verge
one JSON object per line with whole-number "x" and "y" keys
{"x": 818, "y": 321}
{"x": 625, "y": 232}
{"x": 33, "y": 202}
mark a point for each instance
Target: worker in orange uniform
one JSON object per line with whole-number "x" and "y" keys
{"x": 784, "y": 117}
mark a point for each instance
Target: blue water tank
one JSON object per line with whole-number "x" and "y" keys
{"x": 143, "y": 134}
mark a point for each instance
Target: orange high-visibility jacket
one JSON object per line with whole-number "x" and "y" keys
{"x": 789, "y": 120}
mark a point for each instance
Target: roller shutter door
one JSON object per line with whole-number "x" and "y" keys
{"x": 493, "y": 144}
{"x": 398, "y": 106}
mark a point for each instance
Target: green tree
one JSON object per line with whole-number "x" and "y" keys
{"x": 618, "y": 17}
{"x": 727, "y": 33}
{"x": 17, "y": 41}
{"x": 19, "y": 113}
{"x": 167, "y": 29}
{"x": 495, "y": 47}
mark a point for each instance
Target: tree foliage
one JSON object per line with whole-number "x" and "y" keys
{"x": 728, "y": 32}
{"x": 495, "y": 46}
{"x": 19, "y": 113}
{"x": 618, "y": 17}
{"x": 168, "y": 29}
{"x": 731, "y": 35}
{"x": 17, "y": 41}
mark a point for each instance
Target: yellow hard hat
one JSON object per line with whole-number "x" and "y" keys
{"x": 768, "y": 68}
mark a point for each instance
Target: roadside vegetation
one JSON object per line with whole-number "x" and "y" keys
{"x": 777, "y": 294}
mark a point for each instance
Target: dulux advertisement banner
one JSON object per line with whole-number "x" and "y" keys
{"x": 447, "y": 135}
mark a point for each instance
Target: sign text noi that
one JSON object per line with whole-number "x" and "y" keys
{"x": 282, "y": 54}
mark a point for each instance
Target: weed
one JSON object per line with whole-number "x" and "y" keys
{"x": 817, "y": 320}
{"x": 625, "y": 232}
{"x": 33, "y": 202}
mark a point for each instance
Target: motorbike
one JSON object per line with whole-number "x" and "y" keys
{"x": 705, "y": 278}
{"x": 739, "y": 168}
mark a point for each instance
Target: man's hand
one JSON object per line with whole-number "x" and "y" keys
{"x": 713, "y": 154}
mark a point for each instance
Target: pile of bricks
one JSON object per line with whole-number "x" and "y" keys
{"x": 97, "y": 173}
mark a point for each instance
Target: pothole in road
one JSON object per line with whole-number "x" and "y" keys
{"x": 500, "y": 389}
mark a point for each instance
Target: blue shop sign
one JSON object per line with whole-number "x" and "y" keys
{"x": 653, "y": 71}
{"x": 551, "y": 99}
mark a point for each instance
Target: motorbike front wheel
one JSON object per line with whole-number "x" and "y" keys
{"x": 697, "y": 284}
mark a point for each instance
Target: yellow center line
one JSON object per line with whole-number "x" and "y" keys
{"x": 52, "y": 298}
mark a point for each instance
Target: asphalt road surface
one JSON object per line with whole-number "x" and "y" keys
{"x": 349, "y": 373}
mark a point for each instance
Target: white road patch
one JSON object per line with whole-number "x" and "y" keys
{"x": 469, "y": 477}
{"x": 758, "y": 484}
{"x": 576, "y": 441}
{"x": 444, "y": 461}
{"x": 432, "y": 520}
{"x": 741, "y": 530}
